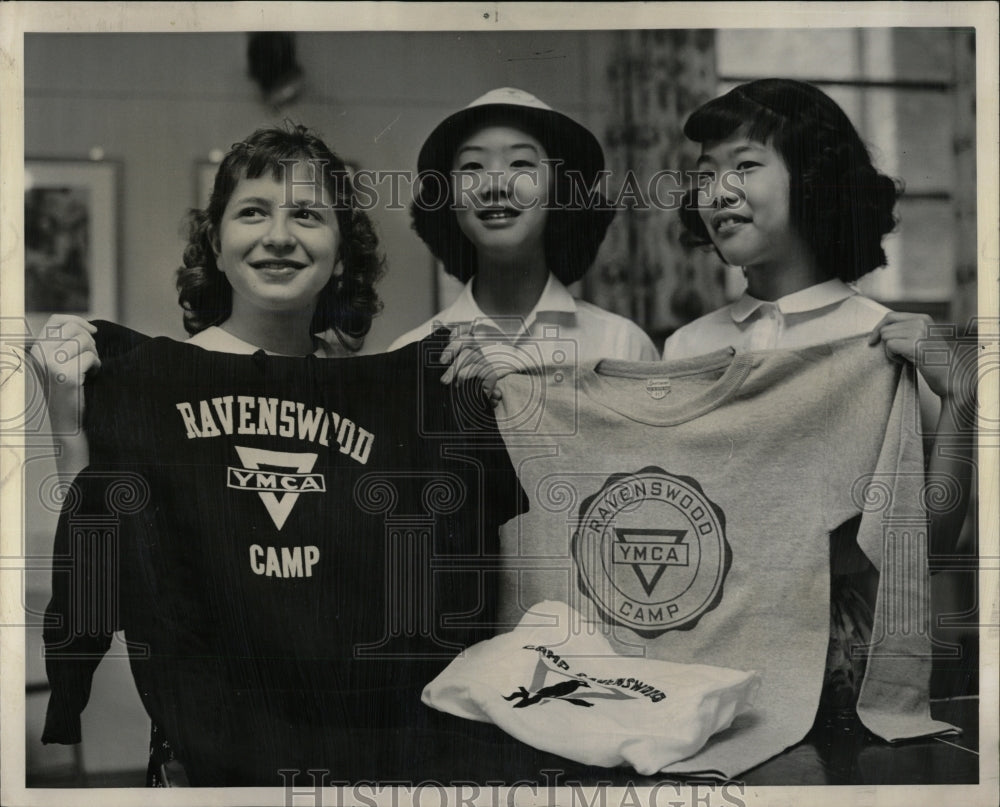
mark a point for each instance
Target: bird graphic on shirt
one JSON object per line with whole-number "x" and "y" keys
{"x": 559, "y": 691}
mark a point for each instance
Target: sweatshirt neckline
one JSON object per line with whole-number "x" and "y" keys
{"x": 597, "y": 384}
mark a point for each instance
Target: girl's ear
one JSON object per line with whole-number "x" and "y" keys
{"x": 213, "y": 239}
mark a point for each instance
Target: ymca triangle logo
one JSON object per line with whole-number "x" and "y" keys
{"x": 649, "y": 553}
{"x": 278, "y": 477}
{"x": 648, "y": 583}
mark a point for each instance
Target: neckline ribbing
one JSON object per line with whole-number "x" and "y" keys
{"x": 595, "y": 382}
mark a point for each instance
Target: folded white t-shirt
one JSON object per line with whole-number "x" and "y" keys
{"x": 555, "y": 683}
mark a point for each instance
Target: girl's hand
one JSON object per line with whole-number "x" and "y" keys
{"x": 65, "y": 360}
{"x": 469, "y": 359}
{"x": 949, "y": 455}
{"x": 908, "y": 336}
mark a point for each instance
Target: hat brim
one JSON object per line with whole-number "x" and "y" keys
{"x": 562, "y": 137}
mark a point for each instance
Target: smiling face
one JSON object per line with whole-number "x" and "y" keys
{"x": 278, "y": 243}
{"x": 500, "y": 184}
{"x": 749, "y": 220}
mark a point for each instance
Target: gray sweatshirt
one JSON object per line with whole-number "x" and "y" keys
{"x": 684, "y": 508}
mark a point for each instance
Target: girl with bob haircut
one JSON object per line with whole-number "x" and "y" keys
{"x": 838, "y": 202}
{"x": 789, "y": 192}
{"x": 506, "y": 202}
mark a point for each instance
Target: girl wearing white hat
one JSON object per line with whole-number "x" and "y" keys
{"x": 506, "y": 203}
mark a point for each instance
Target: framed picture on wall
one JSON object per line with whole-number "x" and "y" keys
{"x": 70, "y": 239}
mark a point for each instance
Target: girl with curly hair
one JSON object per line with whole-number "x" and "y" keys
{"x": 279, "y": 260}
{"x": 787, "y": 190}
{"x": 281, "y": 254}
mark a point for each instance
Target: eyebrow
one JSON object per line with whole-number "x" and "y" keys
{"x": 707, "y": 158}
{"x": 512, "y": 147}
{"x": 262, "y": 201}
{"x": 254, "y": 200}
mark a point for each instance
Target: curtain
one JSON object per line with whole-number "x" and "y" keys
{"x": 655, "y": 80}
{"x": 963, "y": 304}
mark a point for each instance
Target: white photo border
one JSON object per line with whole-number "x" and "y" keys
{"x": 17, "y": 18}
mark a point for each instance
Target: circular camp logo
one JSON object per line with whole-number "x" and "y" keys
{"x": 651, "y": 551}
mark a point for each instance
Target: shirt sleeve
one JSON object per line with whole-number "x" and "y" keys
{"x": 100, "y": 585}
{"x": 475, "y": 490}
{"x": 463, "y": 420}
{"x": 82, "y": 614}
{"x": 895, "y": 695}
{"x": 80, "y": 618}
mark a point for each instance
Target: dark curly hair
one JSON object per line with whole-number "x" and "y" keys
{"x": 573, "y": 231}
{"x": 839, "y": 203}
{"x": 348, "y": 302}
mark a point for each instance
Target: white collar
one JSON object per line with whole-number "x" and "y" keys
{"x": 554, "y": 297}
{"x": 220, "y": 340}
{"x": 812, "y": 298}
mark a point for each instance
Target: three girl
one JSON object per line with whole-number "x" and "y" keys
{"x": 265, "y": 272}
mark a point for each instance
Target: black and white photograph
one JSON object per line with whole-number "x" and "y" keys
{"x": 496, "y": 404}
